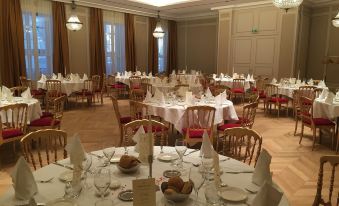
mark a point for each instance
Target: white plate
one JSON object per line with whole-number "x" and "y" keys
{"x": 233, "y": 194}
{"x": 61, "y": 202}
{"x": 66, "y": 176}
{"x": 167, "y": 157}
{"x": 116, "y": 158}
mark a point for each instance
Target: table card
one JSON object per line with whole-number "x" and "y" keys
{"x": 144, "y": 192}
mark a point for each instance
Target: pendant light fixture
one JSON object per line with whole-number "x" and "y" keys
{"x": 73, "y": 23}
{"x": 335, "y": 21}
{"x": 287, "y": 4}
{"x": 158, "y": 31}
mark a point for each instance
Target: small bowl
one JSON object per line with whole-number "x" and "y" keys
{"x": 129, "y": 170}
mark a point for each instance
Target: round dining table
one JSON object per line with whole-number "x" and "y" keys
{"x": 56, "y": 188}
{"x": 166, "y": 88}
{"x": 229, "y": 82}
{"x": 33, "y": 110}
{"x": 67, "y": 86}
{"x": 175, "y": 113}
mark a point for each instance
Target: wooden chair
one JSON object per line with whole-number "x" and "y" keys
{"x": 333, "y": 161}
{"x": 87, "y": 92}
{"x": 18, "y": 90}
{"x": 274, "y": 98}
{"x": 198, "y": 119}
{"x": 97, "y": 88}
{"x": 135, "y": 82}
{"x": 221, "y": 88}
{"x": 13, "y": 123}
{"x": 254, "y": 98}
{"x": 110, "y": 85}
{"x": 160, "y": 135}
{"x": 242, "y": 144}
{"x": 50, "y": 122}
{"x": 307, "y": 119}
{"x": 46, "y": 143}
{"x": 147, "y": 87}
{"x": 53, "y": 85}
{"x": 238, "y": 89}
{"x": 122, "y": 120}
{"x": 137, "y": 95}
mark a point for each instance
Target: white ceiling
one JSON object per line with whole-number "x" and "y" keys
{"x": 182, "y": 10}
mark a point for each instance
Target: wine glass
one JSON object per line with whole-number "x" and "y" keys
{"x": 109, "y": 153}
{"x": 102, "y": 181}
{"x": 198, "y": 180}
{"x": 180, "y": 147}
{"x": 207, "y": 164}
{"x": 86, "y": 165}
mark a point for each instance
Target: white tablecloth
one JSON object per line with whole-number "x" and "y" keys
{"x": 229, "y": 82}
{"x": 321, "y": 109}
{"x": 125, "y": 80}
{"x": 176, "y": 114}
{"x": 33, "y": 111}
{"x": 67, "y": 87}
{"x": 165, "y": 88}
{"x": 55, "y": 189}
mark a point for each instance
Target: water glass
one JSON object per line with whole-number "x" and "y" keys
{"x": 102, "y": 181}
{"x": 109, "y": 153}
{"x": 181, "y": 148}
{"x": 207, "y": 164}
{"x": 198, "y": 180}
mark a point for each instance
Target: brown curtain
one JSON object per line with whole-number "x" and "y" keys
{"x": 129, "y": 42}
{"x": 152, "y": 47}
{"x": 172, "y": 47}
{"x": 12, "y": 53}
{"x": 96, "y": 42}
{"x": 60, "y": 39}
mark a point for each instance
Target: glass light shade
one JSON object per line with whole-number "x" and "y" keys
{"x": 74, "y": 23}
{"x": 158, "y": 31}
{"x": 335, "y": 21}
{"x": 287, "y": 4}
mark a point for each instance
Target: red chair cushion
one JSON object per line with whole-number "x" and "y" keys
{"x": 196, "y": 133}
{"x": 43, "y": 122}
{"x": 238, "y": 90}
{"x": 10, "y": 133}
{"x": 254, "y": 89}
{"x": 278, "y": 99}
{"x": 227, "y": 126}
{"x": 118, "y": 86}
{"x": 46, "y": 114}
{"x": 37, "y": 92}
{"x": 125, "y": 120}
{"x": 155, "y": 129}
{"x": 320, "y": 122}
{"x": 136, "y": 87}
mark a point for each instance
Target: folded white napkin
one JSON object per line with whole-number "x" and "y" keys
{"x": 60, "y": 77}
{"x": 150, "y": 74}
{"x": 118, "y": 74}
{"x": 76, "y": 151}
{"x": 23, "y": 181}
{"x": 189, "y": 99}
{"x": 85, "y": 77}
{"x": 144, "y": 74}
{"x": 274, "y": 81}
{"x": 214, "y": 76}
{"x": 43, "y": 78}
{"x": 248, "y": 78}
{"x": 208, "y": 93}
{"x": 6, "y": 93}
{"x": 136, "y": 138}
{"x": 262, "y": 169}
{"x": 337, "y": 97}
{"x": 77, "y": 78}
{"x": 252, "y": 78}
{"x": 206, "y": 149}
{"x": 267, "y": 196}
{"x": 219, "y": 100}
{"x": 54, "y": 76}
{"x": 159, "y": 97}
{"x": 235, "y": 76}
{"x": 222, "y": 75}
{"x": 323, "y": 94}
{"x": 138, "y": 73}
{"x": 27, "y": 94}
{"x": 329, "y": 98}
{"x": 173, "y": 72}
{"x": 310, "y": 82}
{"x": 148, "y": 97}
{"x": 322, "y": 84}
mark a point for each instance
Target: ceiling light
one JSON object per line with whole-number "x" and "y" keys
{"x": 335, "y": 21}
{"x": 160, "y": 3}
{"x": 158, "y": 31}
{"x": 73, "y": 23}
{"x": 287, "y": 4}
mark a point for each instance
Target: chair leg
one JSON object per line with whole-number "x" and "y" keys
{"x": 337, "y": 149}
{"x": 302, "y": 133}
{"x": 314, "y": 137}
{"x": 296, "y": 126}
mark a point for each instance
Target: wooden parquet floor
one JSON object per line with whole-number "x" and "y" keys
{"x": 295, "y": 167}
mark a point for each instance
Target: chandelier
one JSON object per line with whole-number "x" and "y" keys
{"x": 335, "y": 21}
{"x": 158, "y": 31}
{"x": 73, "y": 23}
{"x": 287, "y": 4}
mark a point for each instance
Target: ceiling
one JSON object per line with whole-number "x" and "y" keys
{"x": 183, "y": 9}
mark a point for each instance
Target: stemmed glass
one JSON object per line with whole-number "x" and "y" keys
{"x": 207, "y": 164}
{"x": 180, "y": 147}
{"x": 86, "y": 165}
{"x": 198, "y": 180}
{"x": 109, "y": 153}
{"x": 102, "y": 181}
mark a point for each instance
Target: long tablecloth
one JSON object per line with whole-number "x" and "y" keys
{"x": 67, "y": 87}
{"x": 321, "y": 109}
{"x": 229, "y": 82}
{"x": 55, "y": 189}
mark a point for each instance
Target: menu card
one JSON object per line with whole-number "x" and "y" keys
{"x": 144, "y": 192}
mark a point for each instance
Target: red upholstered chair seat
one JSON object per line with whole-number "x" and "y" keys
{"x": 228, "y": 126}
{"x": 125, "y": 120}
{"x": 320, "y": 122}
{"x": 43, "y": 122}
{"x": 136, "y": 87}
{"x": 278, "y": 99}
{"x": 37, "y": 92}
{"x": 238, "y": 90}
{"x": 10, "y": 133}
{"x": 196, "y": 133}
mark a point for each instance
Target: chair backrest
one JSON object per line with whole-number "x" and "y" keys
{"x": 138, "y": 110}
{"x": 248, "y": 115}
{"x": 18, "y": 90}
{"x": 254, "y": 97}
{"x": 160, "y": 134}
{"x": 137, "y": 95}
{"x": 218, "y": 89}
{"x": 238, "y": 83}
{"x": 242, "y": 144}
{"x": 272, "y": 90}
{"x": 110, "y": 80}
{"x": 145, "y": 80}
{"x": 116, "y": 109}
{"x": 46, "y": 143}
{"x": 333, "y": 160}
{"x": 13, "y": 117}
{"x": 147, "y": 87}
{"x": 135, "y": 82}
{"x": 307, "y": 91}
{"x": 25, "y": 82}
{"x": 58, "y": 108}
{"x": 90, "y": 85}
{"x": 261, "y": 83}
{"x": 306, "y": 109}
{"x": 96, "y": 84}
{"x": 53, "y": 85}
{"x": 317, "y": 92}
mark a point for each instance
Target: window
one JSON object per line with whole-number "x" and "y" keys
{"x": 114, "y": 29}
{"x": 161, "y": 56}
{"x": 37, "y": 26}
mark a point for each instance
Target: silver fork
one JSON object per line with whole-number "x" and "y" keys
{"x": 45, "y": 181}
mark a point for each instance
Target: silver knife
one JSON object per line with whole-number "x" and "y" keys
{"x": 61, "y": 165}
